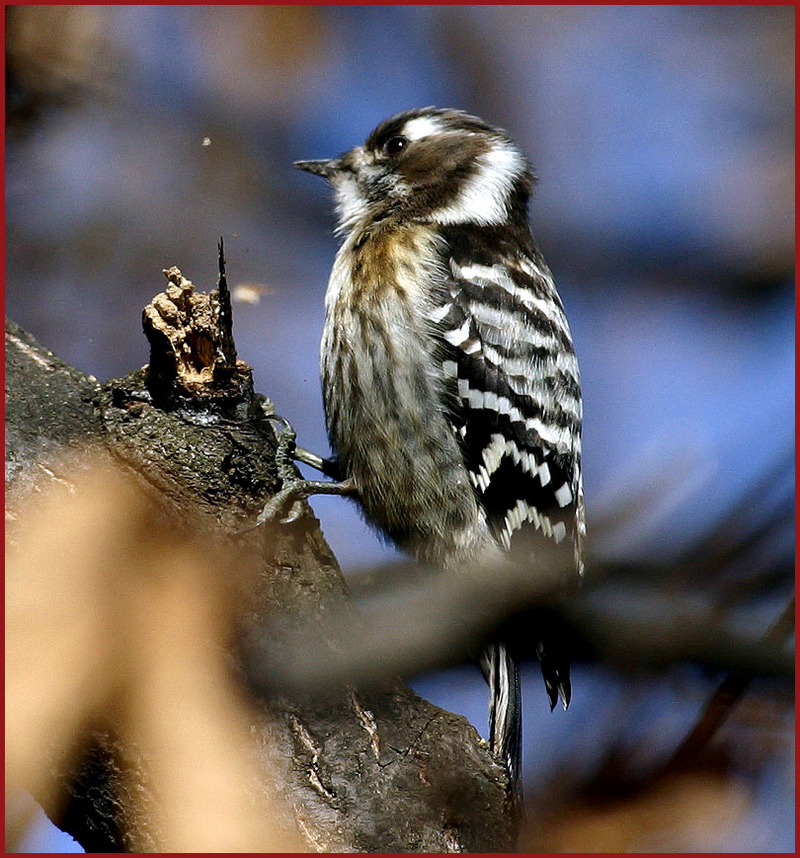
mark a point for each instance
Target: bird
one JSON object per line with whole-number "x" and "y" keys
{"x": 450, "y": 381}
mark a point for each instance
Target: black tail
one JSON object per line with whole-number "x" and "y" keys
{"x": 501, "y": 670}
{"x": 555, "y": 671}
{"x": 505, "y": 712}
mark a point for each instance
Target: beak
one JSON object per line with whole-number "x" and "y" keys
{"x": 325, "y": 168}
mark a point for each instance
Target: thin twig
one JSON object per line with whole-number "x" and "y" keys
{"x": 724, "y": 699}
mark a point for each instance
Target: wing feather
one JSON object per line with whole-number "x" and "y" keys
{"x": 513, "y": 396}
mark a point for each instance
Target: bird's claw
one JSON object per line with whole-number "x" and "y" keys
{"x": 293, "y": 487}
{"x": 285, "y": 451}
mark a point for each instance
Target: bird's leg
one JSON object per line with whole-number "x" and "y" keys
{"x": 283, "y": 507}
{"x": 329, "y": 467}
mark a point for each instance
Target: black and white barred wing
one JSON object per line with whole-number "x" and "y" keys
{"x": 515, "y": 398}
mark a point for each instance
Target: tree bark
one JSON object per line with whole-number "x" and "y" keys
{"x": 373, "y": 769}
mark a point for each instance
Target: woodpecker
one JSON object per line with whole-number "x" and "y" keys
{"x": 451, "y": 385}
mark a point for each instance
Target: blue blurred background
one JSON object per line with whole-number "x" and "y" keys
{"x": 663, "y": 137}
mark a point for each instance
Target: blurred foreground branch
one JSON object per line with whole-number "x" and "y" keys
{"x": 429, "y": 621}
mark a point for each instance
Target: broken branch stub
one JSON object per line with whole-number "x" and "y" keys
{"x": 192, "y": 352}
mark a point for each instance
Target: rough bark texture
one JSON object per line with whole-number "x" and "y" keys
{"x": 375, "y": 769}
{"x": 49, "y": 409}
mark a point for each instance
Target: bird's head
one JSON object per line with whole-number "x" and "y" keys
{"x": 429, "y": 166}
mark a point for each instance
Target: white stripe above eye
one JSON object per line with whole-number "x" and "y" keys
{"x": 421, "y": 126}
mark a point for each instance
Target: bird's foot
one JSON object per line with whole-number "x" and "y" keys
{"x": 284, "y": 506}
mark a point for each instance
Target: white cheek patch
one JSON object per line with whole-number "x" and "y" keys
{"x": 422, "y": 126}
{"x": 484, "y": 197}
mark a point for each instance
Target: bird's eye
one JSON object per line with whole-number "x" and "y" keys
{"x": 395, "y": 145}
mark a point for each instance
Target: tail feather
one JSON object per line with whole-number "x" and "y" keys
{"x": 501, "y": 671}
{"x": 555, "y": 672}
{"x": 505, "y": 711}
